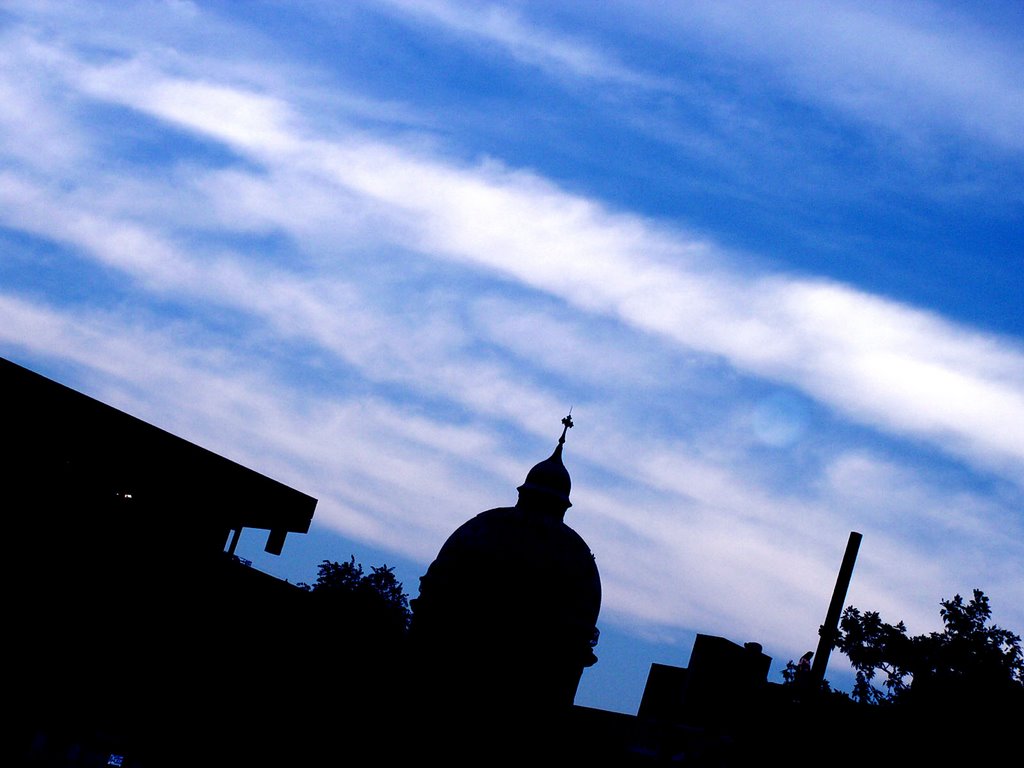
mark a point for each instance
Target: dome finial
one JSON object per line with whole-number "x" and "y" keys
{"x": 550, "y": 477}
{"x": 567, "y": 425}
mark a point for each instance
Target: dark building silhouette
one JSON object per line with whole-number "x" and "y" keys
{"x": 703, "y": 712}
{"x": 134, "y": 636}
{"x": 506, "y": 618}
{"x": 718, "y": 685}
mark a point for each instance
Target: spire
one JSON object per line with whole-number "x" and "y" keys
{"x": 550, "y": 476}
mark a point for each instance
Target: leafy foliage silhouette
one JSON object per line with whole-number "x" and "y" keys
{"x": 373, "y": 602}
{"x": 970, "y": 658}
{"x": 943, "y": 697}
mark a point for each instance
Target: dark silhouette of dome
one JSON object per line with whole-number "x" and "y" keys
{"x": 506, "y": 618}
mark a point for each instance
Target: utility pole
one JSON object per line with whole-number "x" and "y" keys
{"x": 835, "y": 608}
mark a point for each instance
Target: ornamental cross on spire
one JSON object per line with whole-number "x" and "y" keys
{"x": 567, "y": 422}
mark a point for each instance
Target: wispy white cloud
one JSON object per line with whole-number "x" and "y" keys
{"x": 35, "y": 124}
{"x": 558, "y": 54}
{"x": 913, "y": 69}
{"x": 894, "y": 367}
{"x": 909, "y": 67}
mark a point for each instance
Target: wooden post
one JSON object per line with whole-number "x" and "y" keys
{"x": 835, "y": 609}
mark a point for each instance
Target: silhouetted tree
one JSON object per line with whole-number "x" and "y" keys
{"x": 970, "y": 658}
{"x": 373, "y": 602}
{"x": 337, "y": 577}
{"x": 946, "y": 697}
{"x": 360, "y": 620}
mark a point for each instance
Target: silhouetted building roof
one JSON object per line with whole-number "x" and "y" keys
{"x": 62, "y": 441}
{"x": 719, "y": 684}
{"x": 133, "y": 630}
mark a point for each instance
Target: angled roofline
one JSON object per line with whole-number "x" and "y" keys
{"x": 182, "y": 480}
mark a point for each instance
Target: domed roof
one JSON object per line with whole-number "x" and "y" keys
{"x": 550, "y": 476}
{"x": 507, "y": 612}
{"x": 517, "y": 578}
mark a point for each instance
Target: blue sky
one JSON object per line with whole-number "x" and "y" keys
{"x": 769, "y": 253}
